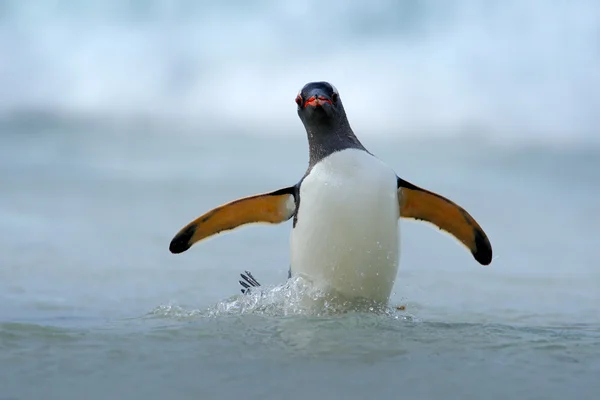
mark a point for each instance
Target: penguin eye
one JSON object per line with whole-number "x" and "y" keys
{"x": 299, "y": 100}
{"x": 334, "y": 97}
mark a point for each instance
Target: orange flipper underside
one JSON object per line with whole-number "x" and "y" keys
{"x": 420, "y": 204}
{"x": 274, "y": 207}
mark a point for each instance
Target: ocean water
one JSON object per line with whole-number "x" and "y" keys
{"x": 122, "y": 121}
{"x": 93, "y": 305}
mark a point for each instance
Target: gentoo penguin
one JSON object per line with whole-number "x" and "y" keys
{"x": 345, "y": 209}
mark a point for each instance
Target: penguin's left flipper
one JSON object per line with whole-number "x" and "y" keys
{"x": 421, "y": 204}
{"x": 273, "y": 208}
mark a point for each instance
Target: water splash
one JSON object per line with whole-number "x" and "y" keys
{"x": 296, "y": 297}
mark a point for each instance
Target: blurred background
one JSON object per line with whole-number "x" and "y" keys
{"x": 121, "y": 121}
{"x": 509, "y": 71}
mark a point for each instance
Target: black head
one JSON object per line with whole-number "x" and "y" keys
{"x": 322, "y": 113}
{"x": 319, "y": 103}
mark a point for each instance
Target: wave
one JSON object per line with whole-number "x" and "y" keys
{"x": 509, "y": 70}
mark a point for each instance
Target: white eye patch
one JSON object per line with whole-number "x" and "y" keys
{"x": 334, "y": 89}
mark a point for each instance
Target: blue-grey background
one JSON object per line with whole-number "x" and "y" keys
{"x": 122, "y": 121}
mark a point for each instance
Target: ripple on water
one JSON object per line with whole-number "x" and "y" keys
{"x": 297, "y": 319}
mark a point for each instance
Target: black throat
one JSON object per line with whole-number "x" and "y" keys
{"x": 328, "y": 136}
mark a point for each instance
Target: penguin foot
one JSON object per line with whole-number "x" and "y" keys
{"x": 248, "y": 282}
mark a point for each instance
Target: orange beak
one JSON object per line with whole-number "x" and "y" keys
{"x": 316, "y": 101}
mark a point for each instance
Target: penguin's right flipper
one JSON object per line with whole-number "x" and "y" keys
{"x": 420, "y": 204}
{"x": 248, "y": 282}
{"x": 274, "y": 208}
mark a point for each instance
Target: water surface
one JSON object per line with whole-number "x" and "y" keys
{"x": 93, "y": 305}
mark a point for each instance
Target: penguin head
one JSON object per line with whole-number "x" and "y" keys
{"x": 319, "y": 103}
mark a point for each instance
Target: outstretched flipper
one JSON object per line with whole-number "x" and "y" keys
{"x": 274, "y": 208}
{"x": 248, "y": 282}
{"x": 420, "y": 204}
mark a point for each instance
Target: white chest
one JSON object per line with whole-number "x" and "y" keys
{"x": 347, "y": 234}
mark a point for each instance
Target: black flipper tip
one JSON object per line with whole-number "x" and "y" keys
{"x": 483, "y": 252}
{"x": 181, "y": 241}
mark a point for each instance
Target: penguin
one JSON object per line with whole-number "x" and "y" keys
{"x": 345, "y": 209}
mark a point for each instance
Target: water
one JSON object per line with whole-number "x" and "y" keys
{"x": 122, "y": 121}
{"x": 92, "y": 303}
{"x": 512, "y": 70}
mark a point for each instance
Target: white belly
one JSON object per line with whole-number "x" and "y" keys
{"x": 347, "y": 235}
